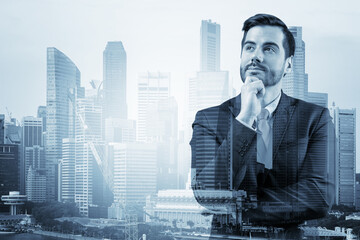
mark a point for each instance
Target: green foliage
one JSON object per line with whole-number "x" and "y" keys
{"x": 28, "y": 206}
{"x": 343, "y": 208}
{"x": 46, "y": 213}
{"x": 153, "y": 232}
{"x": 190, "y": 223}
{"x": 331, "y": 222}
{"x": 165, "y": 238}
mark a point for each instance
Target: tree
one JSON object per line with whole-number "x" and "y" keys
{"x": 51, "y": 210}
{"x": 165, "y": 238}
{"x": 190, "y": 224}
{"x": 343, "y": 208}
{"x": 28, "y": 206}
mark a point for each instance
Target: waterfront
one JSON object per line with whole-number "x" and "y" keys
{"x": 43, "y": 235}
{"x": 27, "y": 236}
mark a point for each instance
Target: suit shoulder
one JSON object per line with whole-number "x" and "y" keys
{"x": 214, "y": 115}
{"x": 310, "y": 112}
{"x": 310, "y": 107}
{"x": 223, "y": 107}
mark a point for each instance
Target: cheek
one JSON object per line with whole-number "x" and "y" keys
{"x": 276, "y": 65}
{"x": 244, "y": 58}
{"x": 242, "y": 65}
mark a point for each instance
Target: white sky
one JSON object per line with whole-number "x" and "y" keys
{"x": 164, "y": 35}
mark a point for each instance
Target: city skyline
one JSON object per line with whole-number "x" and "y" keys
{"x": 161, "y": 44}
{"x": 113, "y": 150}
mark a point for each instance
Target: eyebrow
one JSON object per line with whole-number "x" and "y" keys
{"x": 266, "y": 43}
{"x": 271, "y": 44}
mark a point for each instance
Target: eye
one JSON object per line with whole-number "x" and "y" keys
{"x": 249, "y": 48}
{"x": 269, "y": 49}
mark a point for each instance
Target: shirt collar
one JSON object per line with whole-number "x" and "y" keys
{"x": 273, "y": 105}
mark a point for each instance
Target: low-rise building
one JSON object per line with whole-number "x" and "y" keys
{"x": 180, "y": 207}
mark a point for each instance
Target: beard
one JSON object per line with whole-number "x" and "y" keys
{"x": 270, "y": 77}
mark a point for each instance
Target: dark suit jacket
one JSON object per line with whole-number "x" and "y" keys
{"x": 300, "y": 183}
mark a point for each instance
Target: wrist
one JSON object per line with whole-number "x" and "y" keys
{"x": 248, "y": 119}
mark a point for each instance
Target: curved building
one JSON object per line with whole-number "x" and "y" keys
{"x": 63, "y": 87}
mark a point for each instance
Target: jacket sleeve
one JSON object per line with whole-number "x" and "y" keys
{"x": 214, "y": 145}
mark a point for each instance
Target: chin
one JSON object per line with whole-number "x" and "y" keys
{"x": 270, "y": 84}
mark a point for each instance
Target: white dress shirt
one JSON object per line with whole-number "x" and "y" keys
{"x": 270, "y": 108}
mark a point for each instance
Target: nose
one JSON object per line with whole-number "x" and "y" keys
{"x": 257, "y": 56}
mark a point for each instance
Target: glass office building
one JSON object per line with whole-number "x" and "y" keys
{"x": 63, "y": 87}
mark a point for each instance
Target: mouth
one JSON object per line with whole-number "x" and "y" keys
{"x": 251, "y": 68}
{"x": 255, "y": 71}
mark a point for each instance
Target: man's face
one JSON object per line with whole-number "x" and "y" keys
{"x": 263, "y": 55}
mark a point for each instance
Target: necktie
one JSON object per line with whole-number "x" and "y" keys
{"x": 264, "y": 140}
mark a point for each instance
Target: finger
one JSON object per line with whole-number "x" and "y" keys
{"x": 250, "y": 79}
{"x": 261, "y": 93}
{"x": 257, "y": 86}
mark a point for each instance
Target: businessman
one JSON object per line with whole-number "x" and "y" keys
{"x": 264, "y": 142}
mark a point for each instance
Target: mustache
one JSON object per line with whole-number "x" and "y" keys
{"x": 256, "y": 65}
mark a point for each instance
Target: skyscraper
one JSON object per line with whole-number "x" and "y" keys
{"x": 317, "y": 98}
{"x": 13, "y": 136}
{"x": 2, "y": 128}
{"x": 345, "y": 155}
{"x": 114, "y": 65}
{"x": 35, "y": 174}
{"x": 12, "y": 132}
{"x": 134, "y": 172}
{"x": 295, "y": 84}
{"x": 357, "y": 189}
{"x": 9, "y": 170}
{"x": 208, "y": 89}
{"x": 90, "y": 185}
{"x": 63, "y": 87}
{"x": 41, "y": 113}
{"x": 162, "y": 129}
{"x": 210, "y": 86}
{"x": 36, "y": 185}
{"x": 152, "y": 87}
{"x": 209, "y": 46}
{"x": 32, "y": 136}
{"x": 120, "y": 130}
{"x": 32, "y": 131}
{"x": 67, "y": 183}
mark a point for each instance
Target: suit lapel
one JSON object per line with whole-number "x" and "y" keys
{"x": 235, "y": 105}
{"x": 282, "y": 118}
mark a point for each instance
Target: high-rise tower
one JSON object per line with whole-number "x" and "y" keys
{"x": 295, "y": 84}
{"x": 67, "y": 173}
{"x": 34, "y": 158}
{"x": 345, "y": 155}
{"x": 209, "y": 46}
{"x": 114, "y": 67}
{"x": 210, "y": 86}
{"x": 317, "y": 98}
{"x": 2, "y": 128}
{"x": 63, "y": 87}
{"x": 90, "y": 185}
{"x": 152, "y": 87}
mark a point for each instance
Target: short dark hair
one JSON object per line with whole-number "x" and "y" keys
{"x": 270, "y": 20}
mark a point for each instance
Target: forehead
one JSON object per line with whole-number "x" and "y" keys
{"x": 265, "y": 34}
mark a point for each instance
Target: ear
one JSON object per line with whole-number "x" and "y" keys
{"x": 288, "y": 65}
